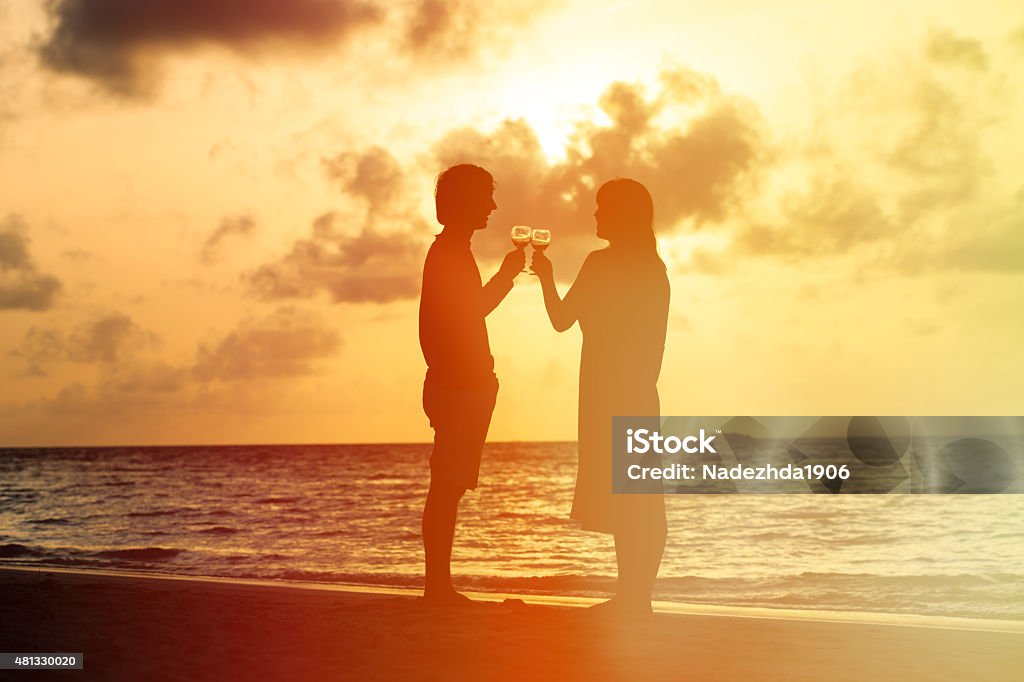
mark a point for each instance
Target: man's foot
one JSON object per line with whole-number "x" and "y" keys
{"x": 445, "y": 597}
{"x": 618, "y": 606}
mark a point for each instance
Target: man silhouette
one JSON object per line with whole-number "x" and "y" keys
{"x": 460, "y": 386}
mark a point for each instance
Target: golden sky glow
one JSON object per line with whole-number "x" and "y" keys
{"x": 211, "y": 225}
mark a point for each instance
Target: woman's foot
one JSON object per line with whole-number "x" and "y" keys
{"x": 620, "y": 606}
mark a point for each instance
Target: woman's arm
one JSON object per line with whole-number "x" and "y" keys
{"x": 562, "y": 312}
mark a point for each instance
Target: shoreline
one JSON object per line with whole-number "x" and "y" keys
{"x": 569, "y": 601}
{"x": 131, "y": 627}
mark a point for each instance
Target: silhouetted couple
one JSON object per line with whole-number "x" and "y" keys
{"x": 620, "y": 299}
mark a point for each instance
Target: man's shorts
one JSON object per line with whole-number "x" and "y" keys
{"x": 460, "y": 417}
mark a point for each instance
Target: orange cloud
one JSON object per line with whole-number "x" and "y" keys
{"x": 449, "y": 29}
{"x": 369, "y": 267}
{"x": 283, "y": 344}
{"x": 440, "y": 25}
{"x": 241, "y": 225}
{"x": 153, "y": 377}
{"x": 22, "y": 286}
{"x": 376, "y": 261}
{"x": 373, "y": 175}
{"x": 108, "y": 339}
{"x": 896, "y": 155}
{"x": 694, "y": 146}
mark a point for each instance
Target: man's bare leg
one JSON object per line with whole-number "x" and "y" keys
{"x": 439, "y": 516}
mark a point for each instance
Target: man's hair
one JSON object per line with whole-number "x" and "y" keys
{"x": 456, "y": 182}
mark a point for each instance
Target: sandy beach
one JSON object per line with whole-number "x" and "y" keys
{"x": 132, "y": 627}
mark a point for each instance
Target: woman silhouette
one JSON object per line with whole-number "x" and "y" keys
{"x": 620, "y": 298}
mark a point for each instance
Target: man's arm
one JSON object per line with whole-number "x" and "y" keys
{"x": 495, "y": 291}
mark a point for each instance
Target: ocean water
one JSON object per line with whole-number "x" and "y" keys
{"x": 351, "y": 514}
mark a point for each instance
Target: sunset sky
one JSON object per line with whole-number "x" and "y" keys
{"x": 213, "y": 213}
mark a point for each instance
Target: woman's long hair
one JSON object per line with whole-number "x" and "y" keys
{"x": 631, "y": 204}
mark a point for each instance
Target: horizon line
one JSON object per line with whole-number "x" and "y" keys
{"x": 254, "y": 445}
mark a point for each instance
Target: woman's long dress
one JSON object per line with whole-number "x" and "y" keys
{"x": 621, "y": 300}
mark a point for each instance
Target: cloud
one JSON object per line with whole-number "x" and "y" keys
{"x": 22, "y": 286}
{"x": 116, "y": 42}
{"x": 432, "y": 21}
{"x": 78, "y": 255}
{"x": 893, "y": 164}
{"x": 945, "y": 47}
{"x": 140, "y": 388}
{"x": 1017, "y": 38}
{"x": 695, "y": 147}
{"x": 120, "y": 44}
{"x": 157, "y": 377}
{"x": 135, "y": 390}
{"x": 39, "y": 348}
{"x": 14, "y": 245}
{"x": 241, "y": 225}
{"x": 452, "y": 29}
{"x": 109, "y": 339}
{"x": 830, "y": 215}
{"x": 283, "y": 344}
{"x": 893, "y": 159}
{"x": 368, "y": 267}
{"x": 996, "y": 245}
{"x": 923, "y": 327}
{"x": 376, "y": 260}
{"x": 373, "y": 175}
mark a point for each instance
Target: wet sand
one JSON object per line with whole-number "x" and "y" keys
{"x": 133, "y": 627}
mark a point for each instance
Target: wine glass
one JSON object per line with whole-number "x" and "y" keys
{"x": 521, "y": 235}
{"x": 540, "y": 239}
